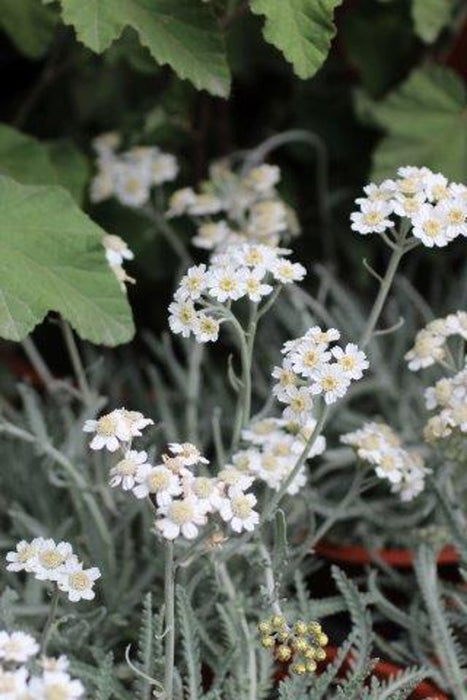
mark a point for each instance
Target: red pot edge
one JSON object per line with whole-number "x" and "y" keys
{"x": 398, "y": 558}
{"x": 385, "y": 670}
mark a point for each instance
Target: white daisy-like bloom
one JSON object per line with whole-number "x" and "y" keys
{"x": 383, "y": 192}
{"x": 427, "y": 350}
{"x": 110, "y": 431}
{"x": 309, "y": 357}
{"x": 212, "y": 234}
{"x": 234, "y": 480}
{"x": 107, "y": 143}
{"x": 258, "y": 256}
{"x": 78, "y": 583}
{"x": 429, "y": 225}
{"x": 436, "y": 187}
{"x": 132, "y": 184}
{"x": 248, "y": 460}
{"x": 116, "y": 250}
{"x": 182, "y": 317}
{"x": 456, "y": 324}
{"x": 163, "y": 168}
{"x": 23, "y": 558}
{"x": 332, "y": 381}
{"x": 102, "y": 184}
{"x": 352, "y": 360}
{"x": 52, "y": 559}
{"x": 390, "y": 465}
{"x": 124, "y": 472}
{"x": 13, "y": 684}
{"x": 135, "y": 422}
{"x": 450, "y": 395}
{"x": 253, "y": 284}
{"x": 238, "y": 511}
{"x": 17, "y": 647}
{"x": 54, "y": 663}
{"x": 226, "y": 283}
{"x": 160, "y": 481}
{"x": 408, "y": 206}
{"x": 373, "y": 217}
{"x": 180, "y": 201}
{"x": 206, "y": 328}
{"x": 267, "y": 217}
{"x": 187, "y": 453}
{"x": 207, "y": 493}
{"x": 259, "y": 431}
{"x": 193, "y": 283}
{"x": 286, "y": 378}
{"x": 287, "y": 272}
{"x": 181, "y": 517}
{"x": 299, "y": 404}
{"x": 263, "y": 178}
{"x": 55, "y": 685}
{"x": 205, "y": 204}
{"x": 454, "y": 214}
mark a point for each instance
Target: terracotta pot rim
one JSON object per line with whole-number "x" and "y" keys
{"x": 397, "y": 557}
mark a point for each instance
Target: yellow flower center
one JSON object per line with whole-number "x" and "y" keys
{"x": 241, "y": 507}
{"x": 26, "y": 553}
{"x": 126, "y": 467}
{"x": 329, "y": 383}
{"x": 432, "y": 227}
{"x": 186, "y": 315}
{"x": 158, "y": 480}
{"x": 106, "y": 426}
{"x": 298, "y": 403}
{"x": 208, "y": 325}
{"x": 56, "y": 691}
{"x": 202, "y": 487}
{"x": 408, "y": 185}
{"x": 227, "y": 284}
{"x": 347, "y": 362}
{"x": 456, "y": 216}
{"x": 310, "y": 358}
{"x": 51, "y": 559}
{"x": 181, "y": 512}
{"x": 372, "y": 217}
{"x": 79, "y": 581}
{"x": 132, "y": 185}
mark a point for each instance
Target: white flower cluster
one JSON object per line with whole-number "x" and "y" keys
{"x": 116, "y": 252}
{"x": 379, "y": 445}
{"x": 247, "y": 207}
{"x": 17, "y": 683}
{"x": 182, "y": 500}
{"x": 436, "y": 208}
{"x": 450, "y": 396}
{"x": 274, "y": 446}
{"x": 51, "y": 561}
{"x": 312, "y": 367}
{"x": 249, "y": 271}
{"x": 129, "y": 175}
{"x": 431, "y": 342}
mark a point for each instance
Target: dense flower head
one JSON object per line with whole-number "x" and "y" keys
{"x": 55, "y": 562}
{"x": 18, "y": 682}
{"x": 246, "y": 205}
{"x": 272, "y": 448}
{"x": 129, "y": 175}
{"x": 377, "y": 444}
{"x": 311, "y": 367}
{"x": 431, "y": 343}
{"x": 435, "y": 208}
{"x": 303, "y": 643}
{"x": 449, "y": 396}
{"x": 249, "y": 271}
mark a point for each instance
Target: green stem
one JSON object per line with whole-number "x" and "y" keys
{"x": 398, "y": 251}
{"x": 76, "y": 362}
{"x": 192, "y": 395}
{"x": 46, "y": 632}
{"x": 169, "y": 598}
{"x": 274, "y": 502}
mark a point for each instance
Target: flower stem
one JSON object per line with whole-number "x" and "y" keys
{"x": 276, "y": 499}
{"x": 169, "y": 597}
{"x": 46, "y": 632}
{"x": 76, "y": 362}
{"x": 398, "y": 251}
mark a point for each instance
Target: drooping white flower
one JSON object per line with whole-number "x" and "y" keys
{"x": 77, "y": 582}
{"x": 18, "y": 647}
{"x": 116, "y": 250}
{"x": 124, "y": 472}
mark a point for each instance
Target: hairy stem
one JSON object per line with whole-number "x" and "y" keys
{"x": 46, "y": 632}
{"x": 169, "y": 598}
{"x": 194, "y": 377}
{"x": 269, "y": 579}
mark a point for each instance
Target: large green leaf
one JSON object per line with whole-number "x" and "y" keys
{"x": 301, "y": 29}
{"x": 430, "y": 16}
{"x": 425, "y": 120}
{"x": 31, "y": 162}
{"x": 52, "y": 259}
{"x": 29, "y": 25}
{"x": 181, "y": 33}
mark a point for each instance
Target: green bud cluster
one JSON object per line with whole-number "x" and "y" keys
{"x": 303, "y": 642}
